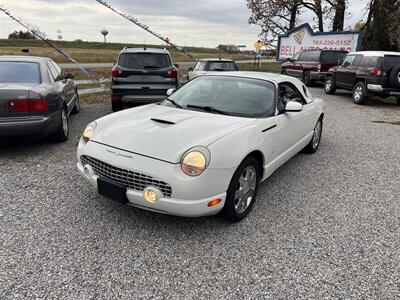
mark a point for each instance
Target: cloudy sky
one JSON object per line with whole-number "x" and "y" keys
{"x": 201, "y": 23}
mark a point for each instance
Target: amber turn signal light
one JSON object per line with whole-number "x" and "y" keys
{"x": 214, "y": 202}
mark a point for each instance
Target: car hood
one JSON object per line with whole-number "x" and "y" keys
{"x": 164, "y": 133}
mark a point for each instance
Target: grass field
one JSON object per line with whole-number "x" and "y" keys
{"x": 265, "y": 67}
{"x": 93, "y": 52}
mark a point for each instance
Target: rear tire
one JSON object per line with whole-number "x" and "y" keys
{"x": 62, "y": 132}
{"x": 398, "y": 101}
{"x": 116, "y": 106}
{"x": 242, "y": 190}
{"x": 306, "y": 78}
{"x": 330, "y": 86}
{"x": 77, "y": 106}
{"x": 360, "y": 94}
{"x": 313, "y": 145}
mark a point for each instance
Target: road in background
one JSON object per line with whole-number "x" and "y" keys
{"x": 183, "y": 65}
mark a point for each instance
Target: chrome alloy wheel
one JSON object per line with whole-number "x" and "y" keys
{"x": 317, "y": 135}
{"x": 245, "y": 192}
{"x": 358, "y": 92}
{"x": 328, "y": 85}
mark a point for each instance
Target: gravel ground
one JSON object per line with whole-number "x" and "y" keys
{"x": 324, "y": 226}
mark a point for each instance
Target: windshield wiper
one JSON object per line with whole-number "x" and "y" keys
{"x": 173, "y": 102}
{"x": 208, "y": 109}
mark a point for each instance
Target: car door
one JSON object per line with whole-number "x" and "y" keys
{"x": 344, "y": 72}
{"x": 299, "y": 67}
{"x": 291, "y": 65}
{"x": 67, "y": 85}
{"x": 291, "y": 127}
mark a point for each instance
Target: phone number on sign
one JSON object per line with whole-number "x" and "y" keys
{"x": 332, "y": 42}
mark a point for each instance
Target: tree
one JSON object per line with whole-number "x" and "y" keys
{"x": 20, "y": 35}
{"x": 339, "y": 7}
{"x": 382, "y": 28}
{"x": 275, "y": 17}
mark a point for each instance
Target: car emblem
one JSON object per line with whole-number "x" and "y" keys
{"x": 118, "y": 154}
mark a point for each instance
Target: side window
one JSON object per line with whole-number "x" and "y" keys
{"x": 58, "y": 69}
{"x": 288, "y": 92}
{"x": 202, "y": 66}
{"x": 305, "y": 90}
{"x": 52, "y": 71}
{"x": 348, "y": 61}
{"x": 313, "y": 56}
{"x": 296, "y": 56}
{"x": 369, "y": 62}
{"x": 303, "y": 56}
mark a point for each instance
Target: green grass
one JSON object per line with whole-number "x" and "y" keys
{"x": 265, "y": 67}
{"x": 95, "y": 52}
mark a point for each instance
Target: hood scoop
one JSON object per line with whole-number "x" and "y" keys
{"x": 163, "y": 121}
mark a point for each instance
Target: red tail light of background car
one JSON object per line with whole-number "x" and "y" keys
{"x": 173, "y": 73}
{"x": 27, "y": 105}
{"x": 115, "y": 72}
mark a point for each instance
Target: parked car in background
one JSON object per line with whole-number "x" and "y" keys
{"x": 367, "y": 73}
{"x": 205, "y": 148}
{"x": 142, "y": 76}
{"x": 211, "y": 65}
{"x": 313, "y": 65}
{"x": 36, "y": 98}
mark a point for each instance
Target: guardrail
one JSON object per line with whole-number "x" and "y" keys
{"x": 100, "y": 89}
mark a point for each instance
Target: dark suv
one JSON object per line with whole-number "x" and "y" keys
{"x": 142, "y": 76}
{"x": 312, "y": 65}
{"x": 367, "y": 73}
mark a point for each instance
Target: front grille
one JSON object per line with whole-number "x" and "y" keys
{"x": 132, "y": 180}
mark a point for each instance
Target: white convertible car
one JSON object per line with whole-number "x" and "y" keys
{"x": 204, "y": 149}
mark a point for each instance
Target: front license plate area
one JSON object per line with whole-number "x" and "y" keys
{"x": 112, "y": 190}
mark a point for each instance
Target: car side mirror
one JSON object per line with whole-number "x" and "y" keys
{"x": 293, "y": 106}
{"x": 190, "y": 69}
{"x": 339, "y": 62}
{"x": 176, "y": 66}
{"x": 69, "y": 76}
{"x": 170, "y": 92}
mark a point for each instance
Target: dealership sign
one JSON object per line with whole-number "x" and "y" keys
{"x": 303, "y": 38}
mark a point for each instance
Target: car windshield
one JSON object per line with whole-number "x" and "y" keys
{"x": 141, "y": 61}
{"x": 221, "y": 66}
{"x": 235, "y": 96}
{"x": 19, "y": 72}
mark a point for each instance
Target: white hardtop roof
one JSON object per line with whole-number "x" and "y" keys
{"x": 375, "y": 53}
{"x": 278, "y": 78}
{"x": 216, "y": 59}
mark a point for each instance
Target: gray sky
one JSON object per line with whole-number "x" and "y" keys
{"x": 200, "y": 23}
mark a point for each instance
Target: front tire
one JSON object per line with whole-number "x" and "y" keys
{"x": 283, "y": 71}
{"x": 313, "y": 145}
{"x": 242, "y": 190}
{"x": 360, "y": 94}
{"x": 330, "y": 86}
{"x": 398, "y": 101}
{"x": 62, "y": 132}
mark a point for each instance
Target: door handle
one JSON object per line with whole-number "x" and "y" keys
{"x": 269, "y": 128}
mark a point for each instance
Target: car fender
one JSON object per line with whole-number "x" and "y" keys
{"x": 229, "y": 151}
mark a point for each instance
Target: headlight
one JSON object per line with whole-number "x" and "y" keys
{"x": 88, "y": 132}
{"x": 195, "y": 161}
